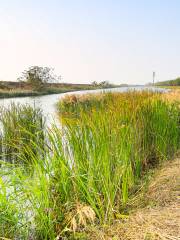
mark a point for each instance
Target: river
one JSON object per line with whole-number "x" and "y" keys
{"x": 47, "y": 102}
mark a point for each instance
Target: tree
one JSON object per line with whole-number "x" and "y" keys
{"x": 94, "y": 84}
{"x": 37, "y": 76}
{"x": 105, "y": 84}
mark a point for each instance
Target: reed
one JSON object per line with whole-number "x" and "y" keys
{"x": 22, "y": 132}
{"x": 90, "y": 165}
{"x": 113, "y": 143}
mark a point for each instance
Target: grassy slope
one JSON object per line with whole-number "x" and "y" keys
{"x": 175, "y": 82}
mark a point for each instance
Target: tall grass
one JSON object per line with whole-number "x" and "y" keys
{"x": 89, "y": 166}
{"x": 22, "y": 132}
{"x": 114, "y": 143}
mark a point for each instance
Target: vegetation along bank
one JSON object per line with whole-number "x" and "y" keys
{"x": 68, "y": 182}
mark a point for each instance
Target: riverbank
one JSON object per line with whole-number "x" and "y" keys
{"x": 22, "y": 89}
{"x": 27, "y": 93}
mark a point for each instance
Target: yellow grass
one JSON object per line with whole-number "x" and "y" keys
{"x": 172, "y": 96}
{"x": 159, "y": 220}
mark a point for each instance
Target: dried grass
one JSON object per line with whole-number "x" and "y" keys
{"x": 172, "y": 96}
{"x": 81, "y": 216}
{"x": 82, "y": 97}
{"x": 160, "y": 219}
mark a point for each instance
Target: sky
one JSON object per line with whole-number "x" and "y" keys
{"x": 120, "y": 41}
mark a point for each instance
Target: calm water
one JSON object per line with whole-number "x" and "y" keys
{"x": 47, "y": 102}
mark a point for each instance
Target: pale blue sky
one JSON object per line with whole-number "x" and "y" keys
{"x": 91, "y": 40}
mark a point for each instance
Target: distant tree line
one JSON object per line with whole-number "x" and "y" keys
{"x": 175, "y": 82}
{"x": 39, "y": 77}
{"x": 103, "y": 84}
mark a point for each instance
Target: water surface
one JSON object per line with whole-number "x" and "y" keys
{"x": 47, "y": 102}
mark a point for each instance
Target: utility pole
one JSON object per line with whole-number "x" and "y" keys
{"x": 154, "y": 74}
{"x": 60, "y": 78}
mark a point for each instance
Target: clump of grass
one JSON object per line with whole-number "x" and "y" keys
{"x": 74, "y": 104}
{"x": 22, "y": 131}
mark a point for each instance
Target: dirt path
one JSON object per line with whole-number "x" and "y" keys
{"x": 160, "y": 219}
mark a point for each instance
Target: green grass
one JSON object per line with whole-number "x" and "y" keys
{"x": 22, "y": 133}
{"x": 174, "y": 82}
{"x": 88, "y": 168}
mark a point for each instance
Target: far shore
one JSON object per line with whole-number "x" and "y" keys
{"x": 22, "y": 89}
{"x": 10, "y": 89}
{"x": 21, "y": 93}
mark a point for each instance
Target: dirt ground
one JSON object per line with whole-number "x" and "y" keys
{"x": 159, "y": 219}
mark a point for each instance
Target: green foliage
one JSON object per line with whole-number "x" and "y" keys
{"x": 38, "y": 76}
{"x": 10, "y": 214}
{"x": 103, "y": 84}
{"x": 175, "y": 82}
{"x": 22, "y": 133}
